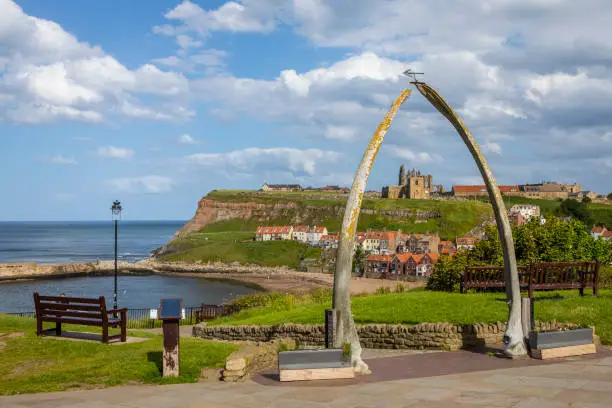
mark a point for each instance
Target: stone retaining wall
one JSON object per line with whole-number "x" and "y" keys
{"x": 386, "y": 336}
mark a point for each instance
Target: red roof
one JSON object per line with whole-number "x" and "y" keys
{"x": 434, "y": 257}
{"x": 403, "y": 258}
{"x": 607, "y": 234}
{"x": 446, "y": 243}
{"x": 301, "y": 228}
{"x": 329, "y": 238}
{"x": 319, "y": 230}
{"x": 466, "y": 241}
{"x": 381, "y": 235}
{"x": 285, "y": 229}
{"x": 379, "y": 258}
{"x": 477, "y": 189}
{"x": 598, "y": 230}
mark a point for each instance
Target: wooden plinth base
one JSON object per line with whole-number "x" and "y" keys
{"x": 545, "y": 354}
{"x": 317, "y": 374}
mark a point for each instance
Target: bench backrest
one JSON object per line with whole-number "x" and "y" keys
{"x": 564, "y": 272}
{"x": 60, "y": 306}
{"x": 490, "y": 273}
{"x": 585, "y": 272}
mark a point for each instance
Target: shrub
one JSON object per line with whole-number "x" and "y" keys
{"x": 447, "y": 273}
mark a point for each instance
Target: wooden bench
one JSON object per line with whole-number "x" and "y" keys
{"x": 85, "y": 311}
{"x": 537, "y": 276}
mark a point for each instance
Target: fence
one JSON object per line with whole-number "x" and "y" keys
{"x": 141, "y": 318}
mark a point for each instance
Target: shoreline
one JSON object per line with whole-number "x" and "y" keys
{"x": 262, "y": 278}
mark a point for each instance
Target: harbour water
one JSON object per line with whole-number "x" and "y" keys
{"x": 65, "y": 242}
{"x": 134, "y": 292}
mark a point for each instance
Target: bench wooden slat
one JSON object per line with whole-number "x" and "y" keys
{"x": 86, "y": 322}
{"x": 70, "y": 299}
{"x": 70, "y": 313}
{"x": 68, "y": 306}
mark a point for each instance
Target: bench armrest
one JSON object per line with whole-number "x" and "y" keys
{"x": 123, "y": 312}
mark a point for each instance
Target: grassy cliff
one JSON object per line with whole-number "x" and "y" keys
{"x": 228, "y": 233}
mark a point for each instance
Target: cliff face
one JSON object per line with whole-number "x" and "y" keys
{"x": 211, "y": 211}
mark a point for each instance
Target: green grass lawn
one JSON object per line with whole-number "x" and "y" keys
{"x": 31, "y": 364}
{"x": 419, "y": 306}
{"x": 237, "y": 247}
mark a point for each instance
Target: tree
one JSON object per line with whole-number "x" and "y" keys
{"x": 513, "y": 337}
{"x": 610, "y": 196}
{"x": 586, "y": 199}
{"x": 359, "y": 259}
{"x": 345, "y": 329}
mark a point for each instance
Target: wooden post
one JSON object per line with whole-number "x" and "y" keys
{"x": 170, "y": 357}
{"x": 527, "y": 316}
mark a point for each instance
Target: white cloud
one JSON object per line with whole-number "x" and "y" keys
{"x": 491, "y": 147}
{"x": 230, "y": 16}
{"x": 47, "y": 74}
{"x": 185, "y": 41}
{"x": 115, "y": 152}
{"x": 339, "y": 132}
{"x": 280, "y": 159}
{"x": 411, "y": 156}
{"x": 187, "y": 139}
{"x": 59, "y": 159}
{"x": 148, "y": 184}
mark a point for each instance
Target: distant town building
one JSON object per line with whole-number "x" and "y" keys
{"x": 418, "y": 243}
{"x": 417, "y": 265}
{"x": 601, "y": 232}
{"x": 377, "y": 264}
{"x": 447, "y": 248}
{"x": 526, "y": 210}
{"x": 481, "y": 191}
{"x": 329, "y": 241}
{"x": 580, "y": 195}
{"x": 466, "y": 242}
{"x": 281, "y": 187}
{"x": 380, "y": 241}
{"x": 314, "y": 234}
{"x": 549, "y": 190}
{"x": 300, "y": 233}
{"x": 274, "y": 233}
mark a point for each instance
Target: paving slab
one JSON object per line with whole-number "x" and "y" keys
{"x": 511, "y": 384}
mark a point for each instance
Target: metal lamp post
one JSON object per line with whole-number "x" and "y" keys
{"x": 116, "y": 210}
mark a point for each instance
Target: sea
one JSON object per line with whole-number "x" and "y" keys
{"x": 50, "y": 242}
{"x": 85, "y": 241}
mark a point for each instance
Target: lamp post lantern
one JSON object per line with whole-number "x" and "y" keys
{"x": 116, "y": 210}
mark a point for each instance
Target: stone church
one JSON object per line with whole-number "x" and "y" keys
{"x": 411, "y": 184}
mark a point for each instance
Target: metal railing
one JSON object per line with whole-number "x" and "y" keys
{"x": 141, "y": 318}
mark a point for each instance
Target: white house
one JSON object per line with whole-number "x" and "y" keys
{"x": 313, "y": 236}
{"x": 273, "y": 233}
{"x": 526, "y": 210}
{"x": 597, "y": 232}
{"x": 300, "y": 233}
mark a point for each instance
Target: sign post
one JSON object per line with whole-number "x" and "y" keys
{"x": 170, "y": 312}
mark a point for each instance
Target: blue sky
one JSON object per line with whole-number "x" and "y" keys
{"x": 156, "y": 103}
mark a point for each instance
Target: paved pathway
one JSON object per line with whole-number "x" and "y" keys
{"x": 575, "y": 383}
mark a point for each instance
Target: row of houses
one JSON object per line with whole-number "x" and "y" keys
{"x": 297, "y": 187}
{"x": 372, "y": 242}
{"x": 400, "y": 266}
{"x": 545, "y": 190}
{"x": 301, "y": 233}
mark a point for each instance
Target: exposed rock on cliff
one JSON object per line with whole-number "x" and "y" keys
{"x": 211, "y": 211}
